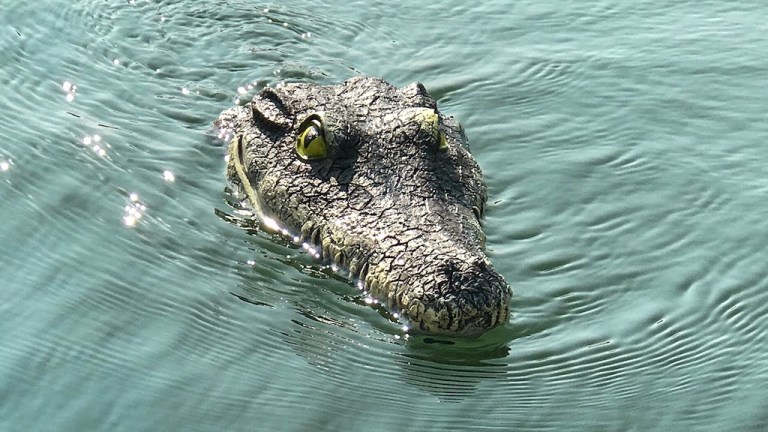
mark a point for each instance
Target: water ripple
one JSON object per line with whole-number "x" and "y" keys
{"x": 627, "y": 181}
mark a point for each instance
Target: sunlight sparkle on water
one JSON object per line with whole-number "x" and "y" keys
{"x": 94, "y": 142}
{"x": 133, "y": 211}
{"x": 70, "y": 89}
{"x": 271, "y": 224}
{"x": 310, "y": 249}
{"x": 5, "y": 165}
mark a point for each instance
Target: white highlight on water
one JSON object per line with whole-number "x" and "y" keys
{"x": 133, "y": 211}
{"x": 70, "y": 89}
{"x": 93, "y": 142}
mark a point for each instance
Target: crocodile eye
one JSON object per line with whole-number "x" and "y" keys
{"x": 310, "y": 143}
{"x": 443, "y": 145}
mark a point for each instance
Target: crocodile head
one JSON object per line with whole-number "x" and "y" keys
{"x": 378, "y": 181}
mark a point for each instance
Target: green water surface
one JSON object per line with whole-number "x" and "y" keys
{"x": 625, "y": 147}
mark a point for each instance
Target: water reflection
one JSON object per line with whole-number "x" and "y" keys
{"x": 169, "y": 176}
{"x": 335, "y": 328}
{"x": 70, "y": 90}
{"x": 133, "y": 211}
{"x": 94, "y": 143}
{"x": 452, "y": 368}
{"x": 631, "y": 223}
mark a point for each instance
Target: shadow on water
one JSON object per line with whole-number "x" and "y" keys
{"x": 455, "y": 368}
{"x": 339, "y": 334}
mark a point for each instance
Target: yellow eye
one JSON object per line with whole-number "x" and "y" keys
{"x": 443, "y": 146}
{"x": 311, "y": 144}
{"x": 429, "y": 119}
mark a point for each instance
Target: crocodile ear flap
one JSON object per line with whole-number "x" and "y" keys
{"x": 269, "y": 112}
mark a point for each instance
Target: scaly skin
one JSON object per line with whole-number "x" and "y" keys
{"x": 389, "y": 203}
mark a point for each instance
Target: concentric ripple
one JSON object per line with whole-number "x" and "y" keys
{"x": 623, "y": 145}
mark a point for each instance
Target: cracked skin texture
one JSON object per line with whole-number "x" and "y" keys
{"x": 396, "y": 199}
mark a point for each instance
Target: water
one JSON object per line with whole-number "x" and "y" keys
{"x": 624, "y": 149}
